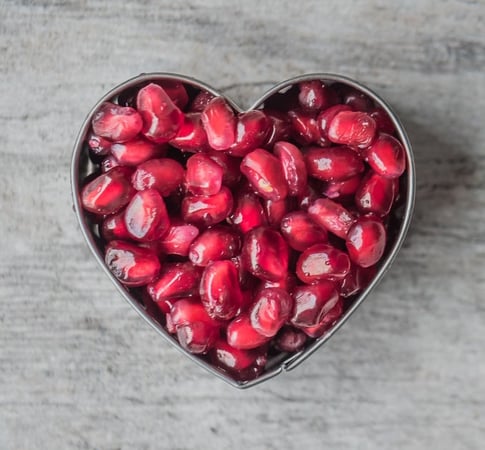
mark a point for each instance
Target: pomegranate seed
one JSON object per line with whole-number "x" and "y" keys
{"x": 315, "y": 96}
{"x": 290, "y": 340}
{"x": 220, "y": 291}
{"x": 219, "y": 123}
{"x": 206, "y": 210}
{"x": 175, "y": 280}
{"x": 333, "y": 163}
{"x": 99, "y": 145}
{"x": 383, "y": 122}
{"x": 213, "y": 244}
{"x": 357, "y": 279}
{"x": 386, "y": 156}
{"x": 161, "y": 117}
{"x": 251, "y": 131}
{"x": 271, "y": 309}
{"x": 109, "y": 163}
{"x": 327, "y": 322}
{"x": 243, "y": 364}
{"x": 312, "y": 303}
{"x": 265, "y": 254}
{"x": 332, "y": 216}
{"x": 230, "y": 166}
{"x": 114, "y": 227}
{"x": 275, "y": 211}
{"x": 178, "y": 239}
{"x": 146, "y": 216}
{"x": 176, "y": 91}
{"x": 280, "y": 128}
{"x": 165, "y": 175}
{"x": 293, "y": 165}
{"x": 366, "y": 241}
{"x": 135, "y": 152}
{"x": 132, "y": 265}
{"x": 117, "y": 123}
{"x": 191, "y": 137}
{"x": 264, "y": 173}
{"x": 326, "y": 116}
{"x": 241, "y": 335}
{"x": 375, "y": 194}
{"x": 201, "y": 100}
{"x": 204, "y": 175}
{"x": 165, "y": 305}
{"x": 301, "y": 232}
{"x": 305, "y": 128}
{"x": 107, "y": 193}
{"x": 248, "y": 213}
{"x": 354, "y": 98}
{"x": 287, "y": 283}
{"x": 320, "y": 262}
{"x": 342, "y": 189}
{"x": 356, "y": 129}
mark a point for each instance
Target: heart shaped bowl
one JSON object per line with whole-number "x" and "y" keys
{"x": 83, "y": 168}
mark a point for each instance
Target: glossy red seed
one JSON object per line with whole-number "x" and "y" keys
{"x": 162, "y": 119}
{"x": 312, "y": 303}
{"x": 264, "y": 173}
{"x": 366, "y": 241}
{"x": 332, "y": 216}
{"x": 290, "y": 340}
{"x": 383, "y": 122}
{"x": 116, "y": 123}
{"x": 191, "y": 136}
{"x": 322, "y": 262}
{"x": 213, "y": 244}
{"x": 271, "y": 309}
{"x": 114, "y": 227}
{"x": 275, "y": 211}
{"x": 305, "y": 128}
{"x": 135, "y": 152}
{"x": 342, "y": 189}
{"x": 107, "y": 193}
{"x": 230, "y": 166}
{"x": 315, "y": 96}
{"x": 333, "y": 163}
{"x": 178, "y": 238}
{"x": 99, "y": 145}
{"x": 326, "y": 116}
{"x": 175, "y": 280}
{"x": 241, "y": 335}
{"x": 293, "y": 165}
{"x": 354, "y": 98}
{"x": 206, "y": 210}
{"x": 265, "y": 254}
{"x": 353, "y": 128}
{"x": 203, "y": 175}
{"x": 201, "y": 100}
{"x": 301, "y": 232}
{"x": 109, "y": 163}
{"x": 375, "y": 194}
{"x": 357, "y": 279}
{"x": 280, "y": 127}
{"x": 132, "y": 265}
{"x": 176, "y": 91}
{"x": 219, "y": 122}
{"x": 326, "y": 323}
{"x": 248, "y": 212}
{"x": 220, "y": 290}
{"x": 165, "y": 175}
{"x": 251, "y": 131}
{"x": 387, "y": 156}
{"x": 146, "y": 216}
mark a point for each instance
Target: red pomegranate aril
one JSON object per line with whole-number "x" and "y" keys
{"x": 220, "y": 290}
{"x": 131, "y": 265}
{"x": 301, "y": 232}
{"x": 315, "y": 96}
{"x": 177, "y": 92}
{"x": 271, "y": 309}
{"x": 328, "y": 320}
{"x": 333, "y": 163}
{"x": 207, "y": 210}
{"x": 383, "y": 122}
{"x": 265, "y": 254}
{"x": 251, "y": 131}
{"x": 109, "y": 163}
{"x": 135, "y": 152}
{"x": 241, "y": 335}
{"x": 175, "y": 280}
{"x": 290, "y": 340}
{"x": 305, "y": 128}
{"x": 332, "y": 216}
{"x": 248, "y": 213}
{"x": 191, "y": 136}
{"x": 375, "y": 194}
{"x": 107, "y": 193}
{"x": 353, "y": 128}
{"x": 326, "y": 116}
{"x": 114, "y": 227}
{"x": 264, "y": 173}
{"x": 386, "y": 156}
{"x": 357, "y": 279}
{"x": 99, "y": 145}
{"x": 366, "y": 241}
{"x": 312, "y": 303}
{"x": 293, "y": 165}
{"x": 275, "y": 210}
{"x": 354, "y": 98}
{"x": 280, "y": 127}
{"x": 219, "y": 122}
{"x": 342, "y": 189}
{"x": 230, "y": 166}
{"x": 146, "y": 216}
{"x": 201, "y": 100}
{"x": 178, "y": 238}
{"x": 117, "y": 123}
{"x": 165, "y": 175}
{"x": 162, "y": 119}
{"x": 203, "y": 175}
{"x": 214, "y": 244}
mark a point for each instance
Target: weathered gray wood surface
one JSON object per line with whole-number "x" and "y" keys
{"x": 79, "y": 369}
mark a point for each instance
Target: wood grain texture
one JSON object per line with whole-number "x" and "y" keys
{"x": 80, "y": 370}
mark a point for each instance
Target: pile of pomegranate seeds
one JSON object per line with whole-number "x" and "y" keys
{"x": 251, "y": 233}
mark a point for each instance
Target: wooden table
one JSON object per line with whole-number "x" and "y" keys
{"x": 79, "y": 369}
